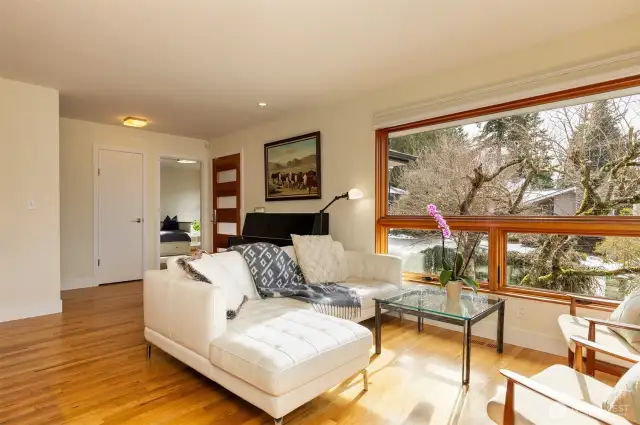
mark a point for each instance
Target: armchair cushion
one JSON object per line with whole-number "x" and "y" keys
{"x": 624, "y": 400}
{"x": 571, "y": 325}
{"x": 532, "y": 408}
{"x": 628, "y": 312}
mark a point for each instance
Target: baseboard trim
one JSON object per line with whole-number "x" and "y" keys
{"x": 78, "y": 283}
{"x": 512, "y": 335}
{"x": 33, "y": 309}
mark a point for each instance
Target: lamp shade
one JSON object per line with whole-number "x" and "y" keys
{"x": 355, "y": 194}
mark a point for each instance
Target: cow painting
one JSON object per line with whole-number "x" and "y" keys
{"x": 292, "y": 168}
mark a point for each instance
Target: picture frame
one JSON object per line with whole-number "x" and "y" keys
{"x": 292, "y": 168}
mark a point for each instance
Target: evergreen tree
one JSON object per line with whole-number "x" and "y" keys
{"x": 521, "y": 135}
{"x": 598, "y": 137}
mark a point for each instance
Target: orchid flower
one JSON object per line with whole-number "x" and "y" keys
{"x": 455, "y": 270}
{"x": 442, "y": 224}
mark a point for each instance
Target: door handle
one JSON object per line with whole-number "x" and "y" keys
{"x": 137, "y": 220}
{"x": 213, "y": 216}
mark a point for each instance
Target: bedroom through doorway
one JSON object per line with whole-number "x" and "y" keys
{"x": 180, "y": 208}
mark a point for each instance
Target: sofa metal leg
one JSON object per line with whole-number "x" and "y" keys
{"x": 365, "y": 379}
{"x": 278, "y": 421}
{"x": 148, "y": 351}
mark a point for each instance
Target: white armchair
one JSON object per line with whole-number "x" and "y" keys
{"x": 596, "y": 330}
{"x": 558, "y": 395}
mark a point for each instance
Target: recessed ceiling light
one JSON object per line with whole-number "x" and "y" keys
{"x": 261, "y": 104}
{"x": 187, "y": 161}
{"x": 134, "y": 122}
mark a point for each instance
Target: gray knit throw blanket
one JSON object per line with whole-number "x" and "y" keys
{"x": 275, "y": 274}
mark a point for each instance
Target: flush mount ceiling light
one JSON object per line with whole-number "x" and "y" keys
{"x": 187, "y": 161}
{"x": 261, "y": 104}
{"x": 134, "y": 122}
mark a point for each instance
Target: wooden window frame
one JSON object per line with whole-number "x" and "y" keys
{"x": 498, "y": 227}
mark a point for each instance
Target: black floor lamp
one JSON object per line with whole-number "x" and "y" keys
{"x": 350, "y": 195}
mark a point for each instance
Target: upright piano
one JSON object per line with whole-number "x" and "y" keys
{"x": 277, "y": 228}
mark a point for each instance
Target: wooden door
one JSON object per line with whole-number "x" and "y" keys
{"x": 226, "y": 200}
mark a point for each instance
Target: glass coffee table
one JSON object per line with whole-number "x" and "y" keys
{"x": 432, "y": 303}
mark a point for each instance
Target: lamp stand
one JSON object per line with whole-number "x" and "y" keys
{"x": 343, "y": 196}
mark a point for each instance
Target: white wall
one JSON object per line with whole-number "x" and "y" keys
{"x": 78, "y": 141}
{"x": 29, "y": 239}
{"x": 347, "y": 128}
{"x": 348, "y": 137}
{"x": 565, "y": 204}
{"x": 180, "y": 191}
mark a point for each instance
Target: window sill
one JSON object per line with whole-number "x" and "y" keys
{"x": 533, "y": 295}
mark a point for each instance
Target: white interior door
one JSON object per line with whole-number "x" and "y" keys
{"x": 120, "y": 216}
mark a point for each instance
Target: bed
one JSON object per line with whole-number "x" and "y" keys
{"x": 174, "y": 237}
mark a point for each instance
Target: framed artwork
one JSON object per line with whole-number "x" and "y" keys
{"x": 292, "y": 168}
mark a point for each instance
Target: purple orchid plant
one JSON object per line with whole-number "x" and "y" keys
{"x": 455, "y": 271}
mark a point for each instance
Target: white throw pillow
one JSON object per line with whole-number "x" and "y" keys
{"x": 239, "y": 272}
{"x": 175, "y": 271}
{"x": 291, "y": 252}
{"x": 212, "y": 270}
{"x": 628, "y": 312}
{"x": 624, "y": 400}
{"x": 321, "y": 260}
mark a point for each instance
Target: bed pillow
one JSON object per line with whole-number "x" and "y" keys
{"x": 320, "y": 258}
{"x": 170, "y": 223}
{"x": 628, "y": 312}
{"x": 211, "y": 269}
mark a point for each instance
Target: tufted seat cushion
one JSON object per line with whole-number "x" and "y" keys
{"x": 278, "y": 348}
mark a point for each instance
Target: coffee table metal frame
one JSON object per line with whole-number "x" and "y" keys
{"x": 466, "y": 324}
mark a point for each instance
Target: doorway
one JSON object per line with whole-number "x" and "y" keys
{"x": 180, "y": 208}
{"x": 120, "y": 211}
{"x": 226, "y": 198}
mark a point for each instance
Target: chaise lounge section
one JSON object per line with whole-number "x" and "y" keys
{"x": 277, "y": 353}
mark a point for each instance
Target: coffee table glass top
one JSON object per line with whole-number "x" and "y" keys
{"x": 434, "y": 300}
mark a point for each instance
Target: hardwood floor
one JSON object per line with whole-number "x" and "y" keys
{"x": 89, "y": 366}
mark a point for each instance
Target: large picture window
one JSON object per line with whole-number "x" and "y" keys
{"x": 553, "y": 188}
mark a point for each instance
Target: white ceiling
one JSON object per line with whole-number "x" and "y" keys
{"x": 198, "y": 67}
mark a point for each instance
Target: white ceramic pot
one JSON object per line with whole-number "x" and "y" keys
{"x": 454, "y": 289}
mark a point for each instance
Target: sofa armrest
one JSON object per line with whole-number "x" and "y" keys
{"x": 188, "y": 312}
{"x": 364, "y": 265}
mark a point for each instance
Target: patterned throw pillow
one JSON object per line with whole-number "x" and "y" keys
{"x": 321, "y": 259}
{"x": 271, "y": 268}
{"x": 624, "y": 400}
{"x": 628, "y": 312}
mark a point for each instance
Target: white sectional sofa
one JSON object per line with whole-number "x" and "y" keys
{"x": 277, "y": 353}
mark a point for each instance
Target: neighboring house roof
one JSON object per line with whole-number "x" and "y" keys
{"x": 400, "y": 158}
{"x": 397, "y": 191}
{"x": 533, "y": 196}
